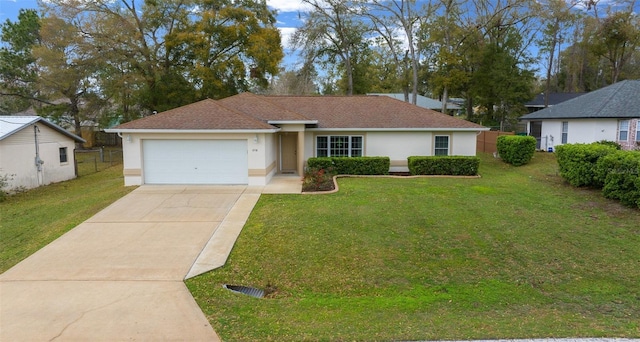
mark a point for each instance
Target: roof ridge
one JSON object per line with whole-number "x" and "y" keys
{"x": 265, "y": 98}
{"x": 220, "y": 104}
{"x": 615, "y": 88}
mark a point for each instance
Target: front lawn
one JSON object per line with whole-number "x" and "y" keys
{"x": 514, "y": 254}
{"x": 32, "y": 219}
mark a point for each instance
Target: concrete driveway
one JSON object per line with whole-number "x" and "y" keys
{"x": 119, "y": 275}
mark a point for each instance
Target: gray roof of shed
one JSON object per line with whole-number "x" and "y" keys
{"x": 619, "y": 100}
{"x": 10, "y": 125}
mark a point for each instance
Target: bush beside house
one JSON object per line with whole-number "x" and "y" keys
{"x": 352, "y": 165}
{"x": 619, "y": 174}
{"x": 515, "y": 149}
{"x": 577, "y": 162}
{"x": 444, "y": 165}
{"x": 603, "y": 166}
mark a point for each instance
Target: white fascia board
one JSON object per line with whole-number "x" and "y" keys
{"x": 177, "y": 131}
{"x": 398, "y": 129}
{"x": 292, "y": 122}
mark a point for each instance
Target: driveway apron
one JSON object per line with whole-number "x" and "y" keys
{"x": 119, "y": 275}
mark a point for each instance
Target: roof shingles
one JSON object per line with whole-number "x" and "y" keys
{"x": 619, "y": 100}
{"x": 249, "y": 111}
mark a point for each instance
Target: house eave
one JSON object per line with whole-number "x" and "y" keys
{"x": 177, "y": 131}
{"x": 439, "y": 129}
{"x": 292, "y": 122}
{"x": 40, "y": 120}
{"x": 578, "y": 118}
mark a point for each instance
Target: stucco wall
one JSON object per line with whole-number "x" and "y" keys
{"x": 398, "y": 146}
{"x": 580, "y": 131}
{"x": 260, "y": 161}
{"x": 18, "y": 152}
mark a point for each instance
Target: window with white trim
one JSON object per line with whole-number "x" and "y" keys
{"x": 441, "y": 146}
{"x": 638, "y": 130}
{"x": 63, "y": 155}
{"x": 623, "y": 130}
{"x": 339, "y": 146}
{"x": 565, "y": 131}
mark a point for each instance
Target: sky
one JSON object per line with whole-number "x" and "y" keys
{"x": 288, "y": 19}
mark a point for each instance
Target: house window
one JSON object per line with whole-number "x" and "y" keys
{"x": 339, "y": 146}
{"x": 638, "y": 131}
{"x": 565, "y": 131}
{"x": 441, "y": 145}
{"x": 623, "y": 130}
{"x": 63, "y": 155}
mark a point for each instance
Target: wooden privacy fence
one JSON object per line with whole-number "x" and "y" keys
{"x": 487, "y": 141}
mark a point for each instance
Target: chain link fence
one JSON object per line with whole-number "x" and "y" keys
{"x": 97, "y": 159}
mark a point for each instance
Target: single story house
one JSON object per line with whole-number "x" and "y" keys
{"x": 611, "y": 113}
{"x": 248, "y": 138}
{"x": 35, "y": 152}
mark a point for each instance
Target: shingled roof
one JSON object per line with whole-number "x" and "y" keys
{"x": 619, "y": 100}
{"x": 333, "y": 112}
{"x": 256, "y": 112}
{"x": 203, "y": 115}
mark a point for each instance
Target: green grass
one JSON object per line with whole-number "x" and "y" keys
{"x": 31, "y": 219}
{"x": 514, "y": 254}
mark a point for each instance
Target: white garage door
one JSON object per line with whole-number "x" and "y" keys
{"x": 195, "y": 161}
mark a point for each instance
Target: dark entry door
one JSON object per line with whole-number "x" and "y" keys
{"x": 535, "y": 130}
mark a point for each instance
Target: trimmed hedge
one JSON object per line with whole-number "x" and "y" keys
{"x": 577, "y": 163}
{"x": 516, "y": 149}
{"x": 444, "y": 165}
{"x": 352, "y": 165}
{"x": 619, "y": 173}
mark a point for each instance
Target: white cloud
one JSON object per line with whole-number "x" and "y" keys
{"x": 287, "y": 5}
{"x": 286, "y": 33}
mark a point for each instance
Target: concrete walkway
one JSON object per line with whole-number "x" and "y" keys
{"x": 119, "y": 275}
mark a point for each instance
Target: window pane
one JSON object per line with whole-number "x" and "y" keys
{"x": 356, "y": 146}
{"x": 441, "y": 146}
{"x": 565, "y": 131}
{"x": 624, "y": 130}
{"x": 63, "y": 154}
{"x": 339, "y": 146}
{"x": 322, "y": 147}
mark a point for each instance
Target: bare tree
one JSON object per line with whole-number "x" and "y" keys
{"x": 332, "y": 33}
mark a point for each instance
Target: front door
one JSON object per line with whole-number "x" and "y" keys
{"x": 288, "y": 152}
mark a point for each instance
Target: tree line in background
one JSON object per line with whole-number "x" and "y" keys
{"x": 119, "y": 60}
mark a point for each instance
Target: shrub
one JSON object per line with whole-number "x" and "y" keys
{"x": 444, "y": 165}
{"x": 352, "y": 165}
{"x": 318, "y": 179}
{"x": 516, "y": 149}
{"x": 619, "y": 173}
{"x": 577, "y": 163}
{"x": 319, "y": 163}
{"x": 609, "y": 143}
{"x": 4, "y": 181}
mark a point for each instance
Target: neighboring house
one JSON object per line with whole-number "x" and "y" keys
{"x": 247, "y": 138}
{"x": 611, "y": 113}
{"x": 35, "y": 152}
{"x": 554, "y": 99}
{"x": 423, "y": 101}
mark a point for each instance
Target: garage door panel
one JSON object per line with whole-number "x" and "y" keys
{"x": 195, "y": 161}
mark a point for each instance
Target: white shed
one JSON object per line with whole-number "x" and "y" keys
{"x": 35, "y": 152}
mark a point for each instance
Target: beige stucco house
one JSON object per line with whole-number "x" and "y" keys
{"x": 35, "y": 152}
{"x": 248, "y": 138}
